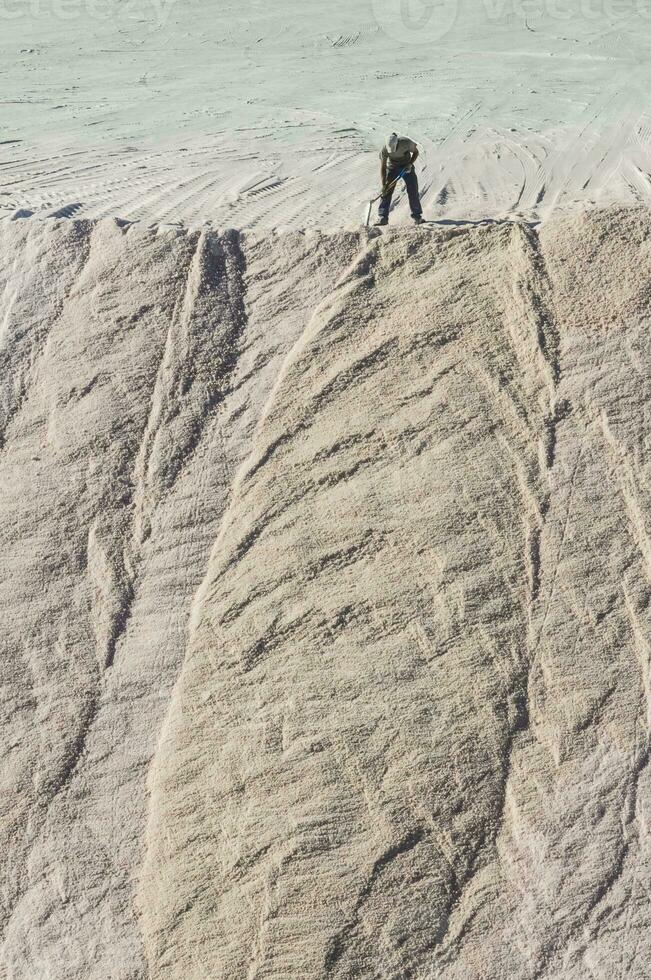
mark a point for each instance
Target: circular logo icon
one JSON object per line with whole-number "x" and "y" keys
{"x": 415, "y": 21}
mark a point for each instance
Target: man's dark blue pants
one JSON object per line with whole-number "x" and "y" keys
{"x": 411, "y": 180}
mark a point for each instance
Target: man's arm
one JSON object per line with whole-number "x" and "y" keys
{"x": 383, "y": 168}
{"x": 413, "y": 150}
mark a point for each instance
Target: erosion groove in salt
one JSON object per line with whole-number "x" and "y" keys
{"x": 378, "y": 504}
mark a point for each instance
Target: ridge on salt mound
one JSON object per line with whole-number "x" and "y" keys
{"x": 410, "y": 732}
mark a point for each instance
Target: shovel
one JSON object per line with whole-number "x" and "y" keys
{"x": 381, "y": 194}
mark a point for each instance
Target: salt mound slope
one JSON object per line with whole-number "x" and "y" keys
{"x": 133, "y": 370}
{"x": 410, "y": 737}
{"x": 411, "y": 730}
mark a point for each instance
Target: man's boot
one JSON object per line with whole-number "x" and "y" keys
{"x": 418, "y": 219}
{"x": 382, "y": 221}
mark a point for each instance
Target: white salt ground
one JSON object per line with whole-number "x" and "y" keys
{"x": 249, "y": 114}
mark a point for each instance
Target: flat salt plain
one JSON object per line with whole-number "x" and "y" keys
{"x": 249, "y": 114}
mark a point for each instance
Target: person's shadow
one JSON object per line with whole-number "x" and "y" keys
{"x": 463, "y": 222}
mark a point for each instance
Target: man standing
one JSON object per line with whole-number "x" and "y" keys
{"x": 397, "y": 158}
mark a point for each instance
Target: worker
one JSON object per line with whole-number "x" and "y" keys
{"x": 397, "y": 158}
